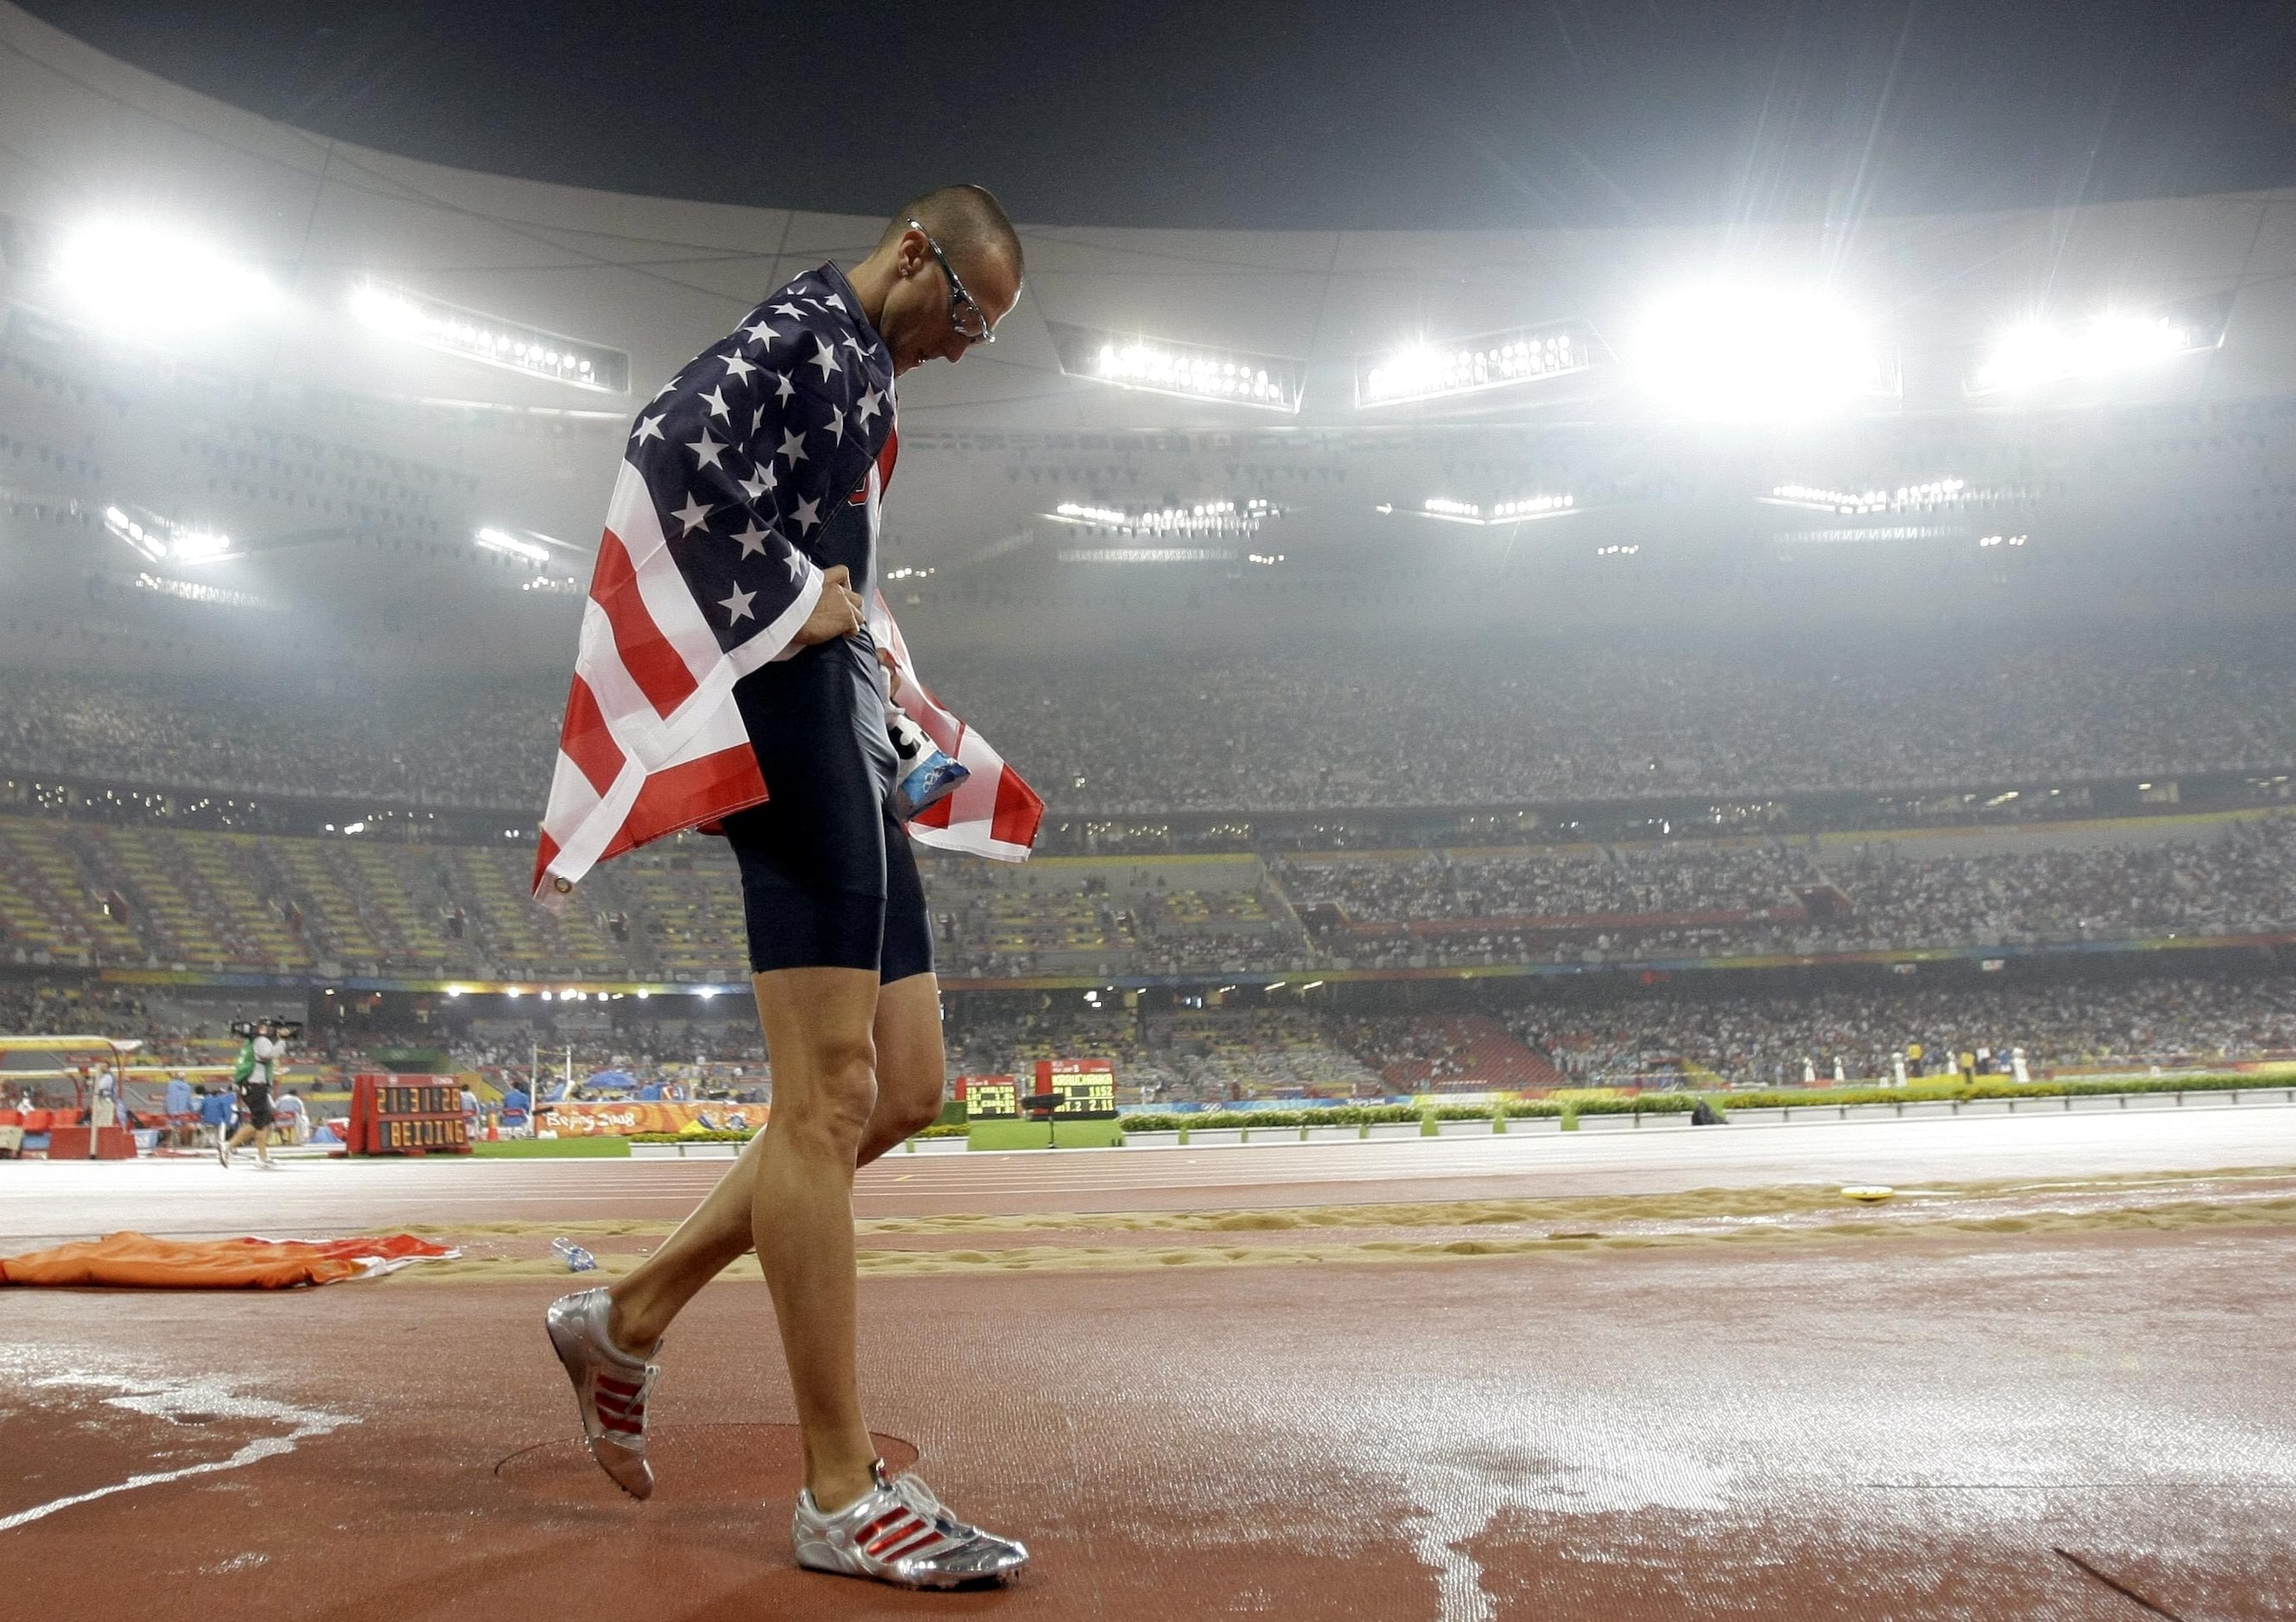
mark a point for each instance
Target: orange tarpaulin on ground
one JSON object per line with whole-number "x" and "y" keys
{"x": 141, "y": 1262}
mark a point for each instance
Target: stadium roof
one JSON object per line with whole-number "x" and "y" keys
{"x": 1478, "y": 114}
{"x": 82, "y": 136}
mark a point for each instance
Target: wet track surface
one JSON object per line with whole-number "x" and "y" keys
{"x": 1972, "y": 1426}
{"x": 41, "y": 1203}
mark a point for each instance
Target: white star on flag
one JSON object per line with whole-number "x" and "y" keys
{"x": 652, "y": 700}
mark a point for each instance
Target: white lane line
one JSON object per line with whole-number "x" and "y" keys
{"x": 170, "y": 1400}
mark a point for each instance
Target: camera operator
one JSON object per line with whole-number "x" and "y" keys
{"x": 257, "y": 1072}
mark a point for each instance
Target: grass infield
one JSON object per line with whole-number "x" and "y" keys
{"x": 554, "y": 1149}
{"x": 1034, "y": 1134}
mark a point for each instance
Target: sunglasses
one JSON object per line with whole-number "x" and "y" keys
{"x": 965, "y": 311}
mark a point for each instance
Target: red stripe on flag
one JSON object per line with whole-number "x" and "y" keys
{"x": 657, "y": 668}
{"x": 936, "y": 814}
{"x": 588, "y": 741}
{"x": 886, "y": 458}
{"x": 543, "y": 858}
{"x": 680, "y": 797}
{"x": 1019, "y": 810}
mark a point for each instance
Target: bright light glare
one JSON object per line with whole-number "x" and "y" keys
{"x": 140, "y": 277}
{"x": 1904, "y": 498}
{"x": 1523, "y": 509}
{"x": 510, "y": 545}
{"x": 2040, "y": 352}
{"x": 1202, "y": 518}
{"x": 1758, "y": 354}
{"x": 1496, "y": 360}
{"x": 163, "y": 541}
{"x": 197, "y": 547}
{"x": 489, "y": 339}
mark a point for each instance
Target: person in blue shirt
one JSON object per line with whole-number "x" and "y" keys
{"x": 214, "y": 1113}
{"x": 180, "y": 1109}
{"x": 515, "y": 1106}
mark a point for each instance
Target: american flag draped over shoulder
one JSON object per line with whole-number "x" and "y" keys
{"x": 702, "y": 575}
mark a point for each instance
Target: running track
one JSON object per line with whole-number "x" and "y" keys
{"x": 41, "y": 1202}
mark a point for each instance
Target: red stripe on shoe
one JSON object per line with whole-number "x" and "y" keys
{"x": 914, "y": 1545}
{"x": 901, "y": 1531}
{"x": 896, "y": 1513}
{"x": 619, "y": 1388}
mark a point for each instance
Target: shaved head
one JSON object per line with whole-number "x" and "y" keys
{"x": 967, "y": 221}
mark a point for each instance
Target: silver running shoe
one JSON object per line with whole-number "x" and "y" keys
{"x": 900, "y": 1533}
{"x": 610, "y": 1385}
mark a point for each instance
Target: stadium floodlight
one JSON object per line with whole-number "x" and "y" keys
{"x": 511, "y": 547}
{"x": 1185, "y": 371}
{"x": 1455, "y": 367}
{"x": 1904, "y": 498}
{"x": 1523, "y": 510}
{"x": 1871, "y": 532}
{"x": 1146, "y": 554}
{"x": 194, "y": 590}
{"x": 1203, "y": 518}
{"x": 162, "y": 540}
{"x": 490, "y": 340}
{"x": 1760, "y": 354}
{"x": 153, "y": 281}
{"x": 2041, "y": 352}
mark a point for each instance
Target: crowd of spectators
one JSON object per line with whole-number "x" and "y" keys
{"x": 1780, "y": 1037}
{"x": 1502, "y": 723}
{"x": 1792, "y": 896}
{"x": 489, "y": 747}
{"x": 1334, "y": 725}
{"x": 1208, "y": 1055}
{"x": 1687, "y": 877}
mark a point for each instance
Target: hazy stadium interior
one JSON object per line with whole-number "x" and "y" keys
{"x": 1592, "y": 730}
{"x": 2059, "y": 608}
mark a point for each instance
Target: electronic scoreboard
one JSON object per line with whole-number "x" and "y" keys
{"x": 410, "y": 1115}
{"x": 1087, "y": 1087}
{"x": 991, "y": 1098}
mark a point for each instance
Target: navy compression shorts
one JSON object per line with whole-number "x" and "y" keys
{"x": 828, "y": 879}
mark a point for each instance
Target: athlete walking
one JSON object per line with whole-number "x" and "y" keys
{"x": 841, "y": 945}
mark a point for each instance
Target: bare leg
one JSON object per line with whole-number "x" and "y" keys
{"x": 818, "y": 1024}
{"x": 910, "y": 1082}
